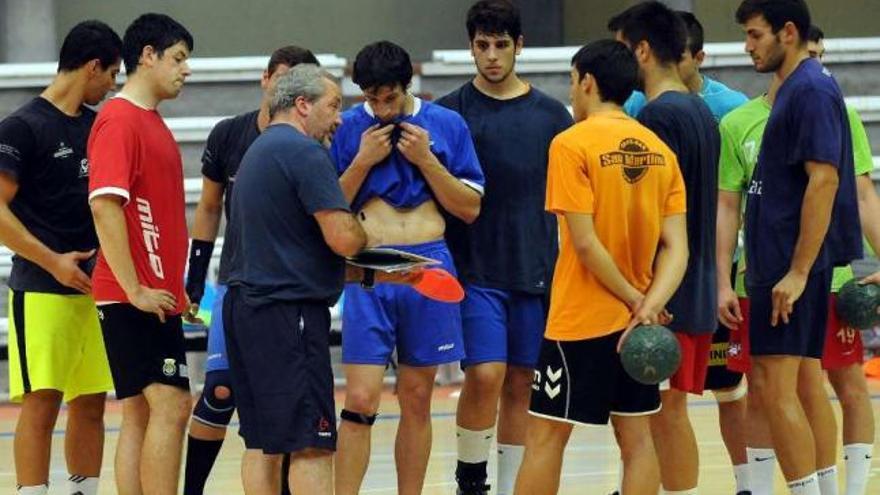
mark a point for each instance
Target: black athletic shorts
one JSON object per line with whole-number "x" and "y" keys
{"x": 279, "y": 360}
{"x": 583, "y": 382}
{"x": 142, "y": 350}
{"x": 804, "y": 335}
{"x": 719, "y": 377}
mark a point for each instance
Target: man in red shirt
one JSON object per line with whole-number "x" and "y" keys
{"x": 136, "y": 197}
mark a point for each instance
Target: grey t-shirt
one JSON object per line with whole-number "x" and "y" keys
{"x": 284, "y": 178}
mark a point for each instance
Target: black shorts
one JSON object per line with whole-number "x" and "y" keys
{"x": 142, "y": 350}
{"x": 719, "y": 377}
{"x": 279, "y": 360}
{"x": 804, "y": 335}
{"x": 583, "y": 382}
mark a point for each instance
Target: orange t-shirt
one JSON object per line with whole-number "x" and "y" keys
{"x": 613, "y": 168}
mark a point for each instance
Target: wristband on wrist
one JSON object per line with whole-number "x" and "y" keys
{"x": 199, "y": 259}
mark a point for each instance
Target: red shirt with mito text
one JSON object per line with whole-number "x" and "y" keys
{"x": 132, "y": 154}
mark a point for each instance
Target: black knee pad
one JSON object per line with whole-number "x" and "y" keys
{"x": 210, "y": 410}
{"x": 359, "y": 418}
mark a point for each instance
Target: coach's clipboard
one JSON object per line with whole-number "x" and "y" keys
{"x": 389, "y": 260}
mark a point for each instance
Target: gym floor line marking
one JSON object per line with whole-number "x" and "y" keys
{"x": 439, "y": 415}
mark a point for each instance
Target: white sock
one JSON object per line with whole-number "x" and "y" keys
{"x": 509, "y": 459}
{"x": 805, "y": 486}
{"x": 762, "y": 470}
{"x": 473, "y": 446}
{"x": 33, "y": 490}
{"x": 741, "y": 474}
{"x": 827, "y": 480}
{"x": 857, "y": 458}
{"x": 692, "y": 491}
{"x": 82, "y": 485}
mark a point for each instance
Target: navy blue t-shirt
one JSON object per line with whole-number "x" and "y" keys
{"x": 513, "y": 243}
{"x": 808, "y": 122}
{"x": 687, "y": 126}
{"x": 284, "y": 178}
{"x": 44, "y": 151}
{"x": 226, "y": 146}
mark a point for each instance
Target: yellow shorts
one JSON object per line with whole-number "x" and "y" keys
{"x": 55, "y": 343}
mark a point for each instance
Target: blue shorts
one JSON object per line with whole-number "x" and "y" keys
{"x": 216, "y": 359}
{"x": 425, "y": 332}
{"x": 804, "y": 335}
{"x": 502, "y": 326}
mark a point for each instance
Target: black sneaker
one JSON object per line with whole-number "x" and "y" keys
{"x": 472, "y": 488}
{"x": 744, "y": 492}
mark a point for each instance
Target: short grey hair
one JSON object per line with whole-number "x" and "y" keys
{"x": 304, "y": 80}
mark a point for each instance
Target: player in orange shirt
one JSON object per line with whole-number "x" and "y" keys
{"x": 618, "y": 193}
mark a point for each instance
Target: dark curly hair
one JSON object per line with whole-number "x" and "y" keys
{"x": 382, "y": 64}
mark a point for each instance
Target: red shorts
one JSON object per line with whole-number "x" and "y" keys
{"x": 691, "y": 374}
{"x": 843, "y": 346}
{"x": 739, "y": 356}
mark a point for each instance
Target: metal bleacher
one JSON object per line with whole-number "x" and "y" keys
{"x": 558, "y": 59}
{"x": 851, "y": 59}
{"x": 854, "y": 61}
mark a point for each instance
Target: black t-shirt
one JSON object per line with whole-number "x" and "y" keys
{"x": 44, "y": 150}
{"x": 513, "y": 243}
{"x": 686, "y": 125}
{"x": 284, "y": 178}
{"x": 226, "y": 146}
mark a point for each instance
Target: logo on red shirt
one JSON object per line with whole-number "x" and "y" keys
{"x": 151, "y": 236}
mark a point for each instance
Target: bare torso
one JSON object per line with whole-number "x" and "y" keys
{"x": 386, "y": 224}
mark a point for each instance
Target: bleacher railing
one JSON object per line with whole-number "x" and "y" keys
{"x": 204, "y": 69}
{"x": 558, "y": 59}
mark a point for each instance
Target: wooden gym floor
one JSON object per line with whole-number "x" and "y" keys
{"x": 590, "y": 463}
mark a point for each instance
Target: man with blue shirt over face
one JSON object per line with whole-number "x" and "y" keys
{"x": 720, "y": 98}
{"x": 802, "y": 220}
{"x": 402, "y": 162}
{"x": 506, "y": 257}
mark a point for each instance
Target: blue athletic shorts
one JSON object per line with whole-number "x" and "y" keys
{"x": 502, "y": 326}
{"x": 425, "y": 332}
{"x": 216, "y": 359}
{"x": 804, "y": 335}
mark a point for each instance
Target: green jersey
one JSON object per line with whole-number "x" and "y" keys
{"x": 741, "y": 133}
